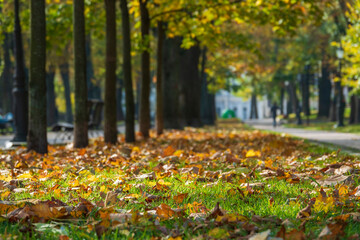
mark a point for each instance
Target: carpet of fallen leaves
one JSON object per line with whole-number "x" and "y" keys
{"x": 196, "y": 183}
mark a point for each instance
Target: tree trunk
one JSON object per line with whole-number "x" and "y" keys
{"x": 357, "y": 113}
{"x": 129, "y": 94}
{"x": 353, "y": 109}
{"x": 20, "y": 93}
{"x": 306, "y": 93}
{"x": 81, "y": 111}
{"x": 324, "y": 90}
{"x": 144, "y": 117}
{"x": 207, "y": 105}
{"x": 282, "y": 93}
{"x": 295, "y": 102}
{"x": 52, "y": 113}
{"x": 253, "y": 107}
{"x": 191, "y": 86}
{"x": 6, "y": 76}
{"x": 333, "y": 108}
{"x": 159, "y": 84}
{"x": 119, "y": 98}
{"x": 93, "y": 90}
{"x": 64, "y": 72}
{"x": 171, "y": 84}
{"x": 110, "y": 130}
{"x": 37, "y": 139}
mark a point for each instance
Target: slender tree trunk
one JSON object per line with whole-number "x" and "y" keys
{"x": 306, "y": 93}
{"x": 51, "y": 110}
{"x": 6, "y": 76}
{"x": 93, "y": 90}
{"x": 190, "y": 76}
{"x": 20, "y": 93}
{"x": 295, "y": 102}
{"x": 144, "y": 118}
{"x": 119, "y": 98}
{"x": 207, "y": 109}
{"x": 64, "y": 71}
{"x": 129, "y": 93}
{"x": 253, "y": 107}
{"x": 333, "y": 108}
{"x": 110, "y": 130}
{"x": 37, "y": 139}
{"x": 81, "y": 112}
{"x": 353, "y": 109}
{"x": 171, "y": 83}
{"x": 282, "y": 94}
{"x": 324, "y": 90}
{"x": 357, "y": 113}
{"x": 159, "y": 82}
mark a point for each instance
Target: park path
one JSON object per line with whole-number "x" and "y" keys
{"x": 52, "y": 135}
{"x": 346, "y": 140}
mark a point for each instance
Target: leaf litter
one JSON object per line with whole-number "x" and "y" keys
{"x": 196, "y": 183}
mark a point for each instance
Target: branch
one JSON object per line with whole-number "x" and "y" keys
{"x": 196, "y": 6}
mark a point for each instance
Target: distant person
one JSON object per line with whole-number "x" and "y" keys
{"x": 274, "y": 109}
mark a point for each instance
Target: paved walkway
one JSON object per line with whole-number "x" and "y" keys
{"x": 52, "y": 135}
{"x": 346, "y": 140}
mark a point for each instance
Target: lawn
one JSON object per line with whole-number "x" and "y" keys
{"x": 209, "y": 183}
{"x": 323, "y": 124}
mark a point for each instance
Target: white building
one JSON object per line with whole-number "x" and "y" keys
{"x": 224, "y": 100}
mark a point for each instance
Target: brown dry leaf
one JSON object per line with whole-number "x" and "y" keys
{"x": 180, "y": 197}
{"x": 292, "y": 235}
{"x": 168, "y": 151}
{"x": 333, "y": 231}
{"x": 336, "y": 179}
{"x": 215, "y": 212}
{"x": 164, "y": 211}
{"x": 306, "y": 212}
{"x": 111, "y": 199}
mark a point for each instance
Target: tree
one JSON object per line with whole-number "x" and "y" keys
{"x": 144, "y": 114}
{"x": 20, "y": 94}
{"x": 110, "y": 130}
{"x": 159, "y": 81}
{"x": 129, "y": 94}
{"x": 37, "y": 139}
{"x": 81, "y": 110}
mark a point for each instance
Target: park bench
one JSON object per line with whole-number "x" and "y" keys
{"x": 64, "y": 131}
{"x": 6, "y": 123}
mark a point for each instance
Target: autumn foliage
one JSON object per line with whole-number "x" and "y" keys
{"x": 206, "y": 183}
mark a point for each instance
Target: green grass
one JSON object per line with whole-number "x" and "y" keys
{"x": 220, "y": 191}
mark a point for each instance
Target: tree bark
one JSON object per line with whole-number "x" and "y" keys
{"x": 295, "y": 102}
{"x": 81, "y": 111}
{"x": 37, "y": 139}
{"x": 119, "y": 98}
{"x": 207, "y": 104}
{"x": 353, "y": 109}
{"x": 171, "y": 83}
{"x": 64, "y": 72}
{"x": 93, "y": 90}
{"x": 6, "y": 76}
{"x": 253, "y": 107}
{"x": 110, "y": 130}
{"x": 144, "y": 117}
{"x": 51, "y": 110}
{"x": 129, "y": 93}
{"x": 20, "y": 93}
{"x": 191, "y": 86}
{"x": 159, "y": 82}
{"x": 333, "y": 108}
{"x": 306, "y": 93}
{"x": 324, "y": 90}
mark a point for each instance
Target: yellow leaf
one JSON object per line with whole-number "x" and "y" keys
{"x": 252, "y": 153}
{"x": 24, "y": 175}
